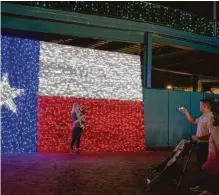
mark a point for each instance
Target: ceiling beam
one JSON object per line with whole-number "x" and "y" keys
{"x": 129, "y": 48}
{"x": 66, "y": 29}
{"x": 117, "y": 24}
{"x": 98, "y": 44}
{"x": 172, "y": 54}
{"x": 184, "y": 73}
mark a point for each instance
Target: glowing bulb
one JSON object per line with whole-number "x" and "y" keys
{"x": 169, "y": 87}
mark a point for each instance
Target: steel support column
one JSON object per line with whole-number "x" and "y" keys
{"x": 194, "y": 80}
{"x": 147, "y": 60}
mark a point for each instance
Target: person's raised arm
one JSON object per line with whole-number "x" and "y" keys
{"x": 188, "y": 116}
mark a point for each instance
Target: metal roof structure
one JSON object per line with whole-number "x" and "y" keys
{"x": 184, "y": 44}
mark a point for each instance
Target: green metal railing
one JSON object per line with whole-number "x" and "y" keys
{"x": 136, "y": 11}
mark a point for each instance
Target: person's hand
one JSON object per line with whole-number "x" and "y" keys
{"x": 183, "y": 110}
{"x": 76, "y": 123}
{"x": 195, "y": 138}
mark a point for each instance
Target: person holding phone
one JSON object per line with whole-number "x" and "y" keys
{"x": 204, "y": 128}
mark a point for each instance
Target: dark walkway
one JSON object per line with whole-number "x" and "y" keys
{"x": 85, "y": 174}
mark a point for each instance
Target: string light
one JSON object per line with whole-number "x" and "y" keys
{"x": 111, "y": 125}
{"x": 114, "y": 113}
{"x": 217, "y": 29}
{"x": 109, "y": 84}
{"x": 137, "y": 11}
{"x": 19, "y": 107}
{"x": 8, "y": 94}
{"x": 82, "y": 72}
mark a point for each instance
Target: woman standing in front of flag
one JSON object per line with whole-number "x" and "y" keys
{"x": 77, "y": 116}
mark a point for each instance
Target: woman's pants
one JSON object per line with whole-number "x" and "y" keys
{"x": 76, "y": 136}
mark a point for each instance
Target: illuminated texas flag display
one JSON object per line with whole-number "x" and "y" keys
{"x": 40, "y": 81}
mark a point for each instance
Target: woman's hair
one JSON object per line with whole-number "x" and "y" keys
{"x": 74, "y": 107}
{"x": 216, "y": 118}
{"x": 215, "y": 110}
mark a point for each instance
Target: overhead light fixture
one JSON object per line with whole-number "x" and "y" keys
{"x": 169, "y": 87}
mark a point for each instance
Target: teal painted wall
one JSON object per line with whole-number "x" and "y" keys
{"x": 165, "y": 125}
{"x": 156, "y": 117}
{"x": 178, "y": 126}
